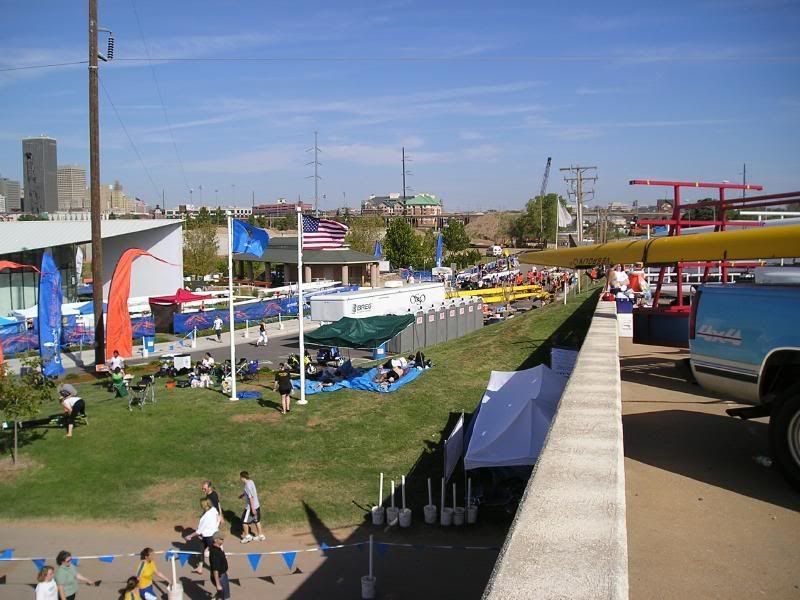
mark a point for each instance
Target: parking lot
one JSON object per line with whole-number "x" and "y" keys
{"x": 706, "y": 517}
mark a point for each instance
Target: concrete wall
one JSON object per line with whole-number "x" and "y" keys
{"x": 569, "y": 537}
{"x": 148, "y": 277}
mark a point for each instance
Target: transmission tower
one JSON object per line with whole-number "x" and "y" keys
{"x": 542, "y": 192}
{"x": 316, "y": 150}
{"x": 406, "y": 188}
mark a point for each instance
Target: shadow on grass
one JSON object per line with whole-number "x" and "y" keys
{"x": 414, "y": 570}
{"x": 570, "y": 334}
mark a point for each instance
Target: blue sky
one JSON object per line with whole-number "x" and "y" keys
{"x": 479, "y": 93}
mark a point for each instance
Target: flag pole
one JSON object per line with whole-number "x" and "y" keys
{"x": 302, "y": 356}
{"x": 230, "y": 308}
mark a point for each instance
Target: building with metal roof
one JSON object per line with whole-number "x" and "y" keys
{"x": 26, "y": 241}
{"x": 280, "y": 264}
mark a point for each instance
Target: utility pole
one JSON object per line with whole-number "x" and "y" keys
{"x": 744, "y": 180}
{"x": 405, "y": 172}
{"x": 316, "y": 176}
{"x": 579, "y": 179}
{"x": 94, "y": 183}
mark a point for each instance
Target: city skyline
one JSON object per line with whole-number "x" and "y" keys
{"x": 478, "y": 96}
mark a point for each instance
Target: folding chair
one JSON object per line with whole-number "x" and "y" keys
{"x": 142, "y": 393}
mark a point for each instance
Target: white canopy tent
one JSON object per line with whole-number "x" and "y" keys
{"x": 513, "y": 418}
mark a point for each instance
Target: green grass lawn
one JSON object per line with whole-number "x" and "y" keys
{"x": 148, "y": 465}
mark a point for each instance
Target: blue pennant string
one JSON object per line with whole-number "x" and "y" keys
{"x": 323, "y": 546}
{"x": 254, "y": 560}
{"x": 76, "y": 561}
{"x": 39, "y": 562}
{"x": 106, "y": 559}
{"x": 168, "y": 555}
{"x": 6, "y": 554}
{"x": 288, "y": 558}
{"x": 382, "y": 549}
{"x": 182, "y": 558}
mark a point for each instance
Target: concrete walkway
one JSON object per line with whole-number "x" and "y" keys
{"x": 705, "y": 518}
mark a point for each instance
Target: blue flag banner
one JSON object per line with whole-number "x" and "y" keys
{"x": 76, "y": 561}
{"x": 106, "y": 559}
{"x": 182, "y": 558}
{"x": 382, "y": 549}
{"x": 323, "y": 546}
{"x": 6, "y": 554}
{"x": 249, "y": 239}
{"x": 254, "y": 560}
{"x": 439, "y": 249}
{"x": 169, "y": 554}
{"x": 378, "y": 249}
{"x": 50, "y": 299}
{"x": 288, "y": 558}
{"x": 39, "y": 562}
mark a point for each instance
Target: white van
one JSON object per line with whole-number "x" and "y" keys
{"x": 495, "y": 251}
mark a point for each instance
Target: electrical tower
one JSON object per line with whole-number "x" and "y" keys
{"x": 579, "y": 180}
{"x": 315, "y": 176}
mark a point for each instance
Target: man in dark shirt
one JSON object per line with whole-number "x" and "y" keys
{"x": 219, "y": 568}
{"x": 212, "y": 496}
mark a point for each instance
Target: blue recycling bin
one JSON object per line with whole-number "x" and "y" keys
{"x": 150, "y": 343}
{"x": 624, "y": 306}
{"x": 379, "y": 352}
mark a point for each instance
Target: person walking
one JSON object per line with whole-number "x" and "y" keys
{"x": 46, "y": 588}
{"x": 206, "y": 528}
{"x": 218, "y": 327}
{"x": 147, "y": 569}
{"x": 67, "y": 577}
{"x": 131, "y": 591}
{"x": 218, "y": 565}
{"x": 211, "y": 495}
{"x": 262, "y": 334}
{"x": 283, "y": 385}
{"x": 251, "y": 517}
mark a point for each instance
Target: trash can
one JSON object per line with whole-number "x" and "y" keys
{"x": 624, "y": 318}
{"x": 379, "y": 352}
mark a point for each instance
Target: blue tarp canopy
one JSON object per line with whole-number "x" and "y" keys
{"x": 359, "y": 379}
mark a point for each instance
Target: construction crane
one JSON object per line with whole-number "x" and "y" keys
{"x": 542, "y": 192}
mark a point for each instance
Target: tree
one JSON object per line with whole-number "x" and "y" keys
{"x": 401, "y": 245}
{"x": 708, "y": 213}
{"x": 455, "y": 236}
{"x": 21, "y": 396}
{"x": 200, "y": 249}
{"x": 538, "y": 211}
{"x": 364, "y": 232}
{"x": 203, "y": 217}
{"x": 426, "y": 244}
{"x": 220, "y": 217}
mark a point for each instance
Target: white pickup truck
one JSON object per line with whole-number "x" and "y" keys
{"x": 745, "y": 343}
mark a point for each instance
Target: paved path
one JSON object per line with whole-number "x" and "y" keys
{"x": 705, "y": 520}
{"x": 401, "y": 572}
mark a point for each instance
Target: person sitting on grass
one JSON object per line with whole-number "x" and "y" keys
{"x": 118, "y": 383}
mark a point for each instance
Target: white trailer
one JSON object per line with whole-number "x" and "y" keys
{"x": 376, "y": 302}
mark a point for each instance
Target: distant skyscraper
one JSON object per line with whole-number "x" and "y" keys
{"x": 71, "y": 187}
{"x": 40, "y": 162}
{"x": 11, "y": 190}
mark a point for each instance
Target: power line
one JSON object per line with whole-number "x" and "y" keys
{"x": 130, "y": 139}
{"x": 31, "y": 67}
{"x": 160, "y": 97}
{"x": 444, "y": 58}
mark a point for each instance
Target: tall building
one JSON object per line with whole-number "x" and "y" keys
{"x": 71, "y": 188}
{"x": 40, "y": 162}
{"x": 11, "y": 190}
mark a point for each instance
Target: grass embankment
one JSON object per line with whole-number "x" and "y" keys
{"x": 148, "y": 464}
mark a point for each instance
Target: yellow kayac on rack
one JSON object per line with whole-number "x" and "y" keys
{"x": 741, "y": 244}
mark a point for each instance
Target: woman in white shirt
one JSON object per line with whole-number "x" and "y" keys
{"x": 206, "y": 528}
{"x": 46, "y": 589}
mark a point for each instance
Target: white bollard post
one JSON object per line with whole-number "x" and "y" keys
{"x": 175, "y": 590}
{"x": 247, "y": 328}
{"x": 145, "y": 353}
{"x": 280, "y": 323}
{"x": 194, "y": 338}
{"x": 368, "y": 581}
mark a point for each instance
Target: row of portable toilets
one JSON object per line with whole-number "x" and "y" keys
{"x": 437, "y": 324}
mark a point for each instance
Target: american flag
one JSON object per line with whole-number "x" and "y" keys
{"x": 321, "y": 234}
